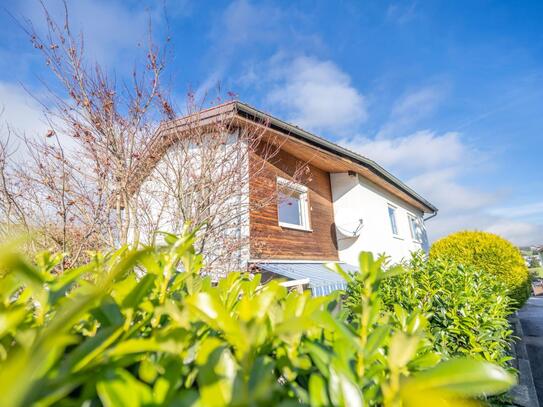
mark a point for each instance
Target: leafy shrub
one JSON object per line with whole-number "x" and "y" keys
{"x": 466, "y": 307}
{"x": 489, "y": 253}
{"x": 98, "y": 334}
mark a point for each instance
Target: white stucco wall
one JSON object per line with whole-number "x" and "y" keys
{"x": 356, "y": 198}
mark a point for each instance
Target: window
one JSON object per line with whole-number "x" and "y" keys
{"x": 415, "y": 227}
{"x": 292, "y": 206}
{"x": 393, "y": 223}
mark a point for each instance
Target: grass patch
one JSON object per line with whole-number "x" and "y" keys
{"x": 536, "y": 271}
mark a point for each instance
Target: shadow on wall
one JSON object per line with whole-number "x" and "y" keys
{"x": 425, "y": 244}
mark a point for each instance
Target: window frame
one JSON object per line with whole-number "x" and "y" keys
{"x": 414, "y": 222}
{"x": 304, "y": 205}
{"x": 393, "y": 224}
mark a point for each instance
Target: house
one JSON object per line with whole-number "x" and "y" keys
{"x": 342, "y": 204}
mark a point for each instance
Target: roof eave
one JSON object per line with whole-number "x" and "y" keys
{"x": 371, "y": 165}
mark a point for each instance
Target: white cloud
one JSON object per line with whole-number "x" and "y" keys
{"x": 317, "y": 95}
{"x": 20, "y": 111}
{"x": 418, "y": 103}
{"x": 248, "y": 24}
{"x": 535, "y": 208}
{"x": 410, "y": 109}
{"x": 241, "y": 25}
{"x": 431, "y": 163}
{"x": 244, "y": 22}
{"x": 522, "y": 233}
{"x": 401, "y": 12}
{"x": 208, "y": 88}
{"x": 422, "y": 150}
{"x": 519, "y": 232}
{"x": 445, "y": 189}
{"x": 245, "y": 30}
{"x": 111, "y": 29}
{"x": 24, "y": 116}
{"x": 465, "y": 208}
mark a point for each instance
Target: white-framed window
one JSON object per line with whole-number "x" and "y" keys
{"x": 292, "y": 205}
{"x": 392, "y": 217}
{"x": 415, "y": 228}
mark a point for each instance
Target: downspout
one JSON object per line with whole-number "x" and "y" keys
{"x": 430, "y": 217}
{"x": 425, "y": 241}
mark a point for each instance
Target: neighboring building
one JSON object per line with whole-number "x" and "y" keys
{"x": 532, "y": 255}
{"x": 347, "y": 204}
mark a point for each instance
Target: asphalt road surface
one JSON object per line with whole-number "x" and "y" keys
{"x": 531, "y": 318}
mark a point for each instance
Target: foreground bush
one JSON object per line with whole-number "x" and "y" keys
{"x": 467, "y": 308}
{"x": 99, "y": 334}
{"x": 490, "y": 253}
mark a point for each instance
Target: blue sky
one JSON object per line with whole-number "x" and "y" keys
{"x": 446, "y": 95}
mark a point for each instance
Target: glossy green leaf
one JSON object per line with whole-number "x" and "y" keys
{"x": 134, "y": 298}
{"x": 317, "y": 391}
{"x": 11, "y": 318}
{"x": 90, "y": 349}
{"x": 402, "y": 349}
{"x": 343, "y": 392}
{"x": 119, "y": 388}
{"x": 464, "y": 377}
{"x": 377, "y": 339}
{"x": 216, "y": 374}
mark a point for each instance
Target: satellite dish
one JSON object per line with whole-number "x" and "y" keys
{"x": 351, "y": 229}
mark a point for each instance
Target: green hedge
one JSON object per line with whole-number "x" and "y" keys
{"x": 490, "y": 253}
{"x": 99, "y": 334}
{"x": 467, "y": 308}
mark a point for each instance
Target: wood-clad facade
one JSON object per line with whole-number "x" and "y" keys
{"x": 269, "y": 240}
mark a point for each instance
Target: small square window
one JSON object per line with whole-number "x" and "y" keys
{"x": 292, "y": 205}
{"x": 392, "y": 217}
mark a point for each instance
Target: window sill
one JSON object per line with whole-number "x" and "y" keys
{"x": 295, "y": 227}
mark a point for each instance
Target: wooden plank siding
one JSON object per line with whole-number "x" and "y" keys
{"x": 268, "y": 240}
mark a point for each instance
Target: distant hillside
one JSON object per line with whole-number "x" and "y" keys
{"x": 531, "y": 250}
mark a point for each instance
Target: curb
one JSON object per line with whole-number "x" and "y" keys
{"x": 524, "y": 393}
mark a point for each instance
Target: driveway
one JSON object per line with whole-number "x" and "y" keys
{"x": 531, "y": 319}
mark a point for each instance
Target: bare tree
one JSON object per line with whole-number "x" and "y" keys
{"x": 12, "y": 215}
{"x": 107, "y": 174}
{"x": 61, "y": 214}
{"x": 72, "y": 188}
{"x": 102, "y": 128}
{"x": 202, "y": 175}
{"x": 39, "y": 196}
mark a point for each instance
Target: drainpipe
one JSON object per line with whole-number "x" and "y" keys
{"x": 430, "y": 217}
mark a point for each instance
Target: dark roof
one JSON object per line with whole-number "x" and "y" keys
{"x": 250, "y": 112}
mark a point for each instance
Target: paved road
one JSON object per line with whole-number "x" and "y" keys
{"x": 531, "y": 318}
